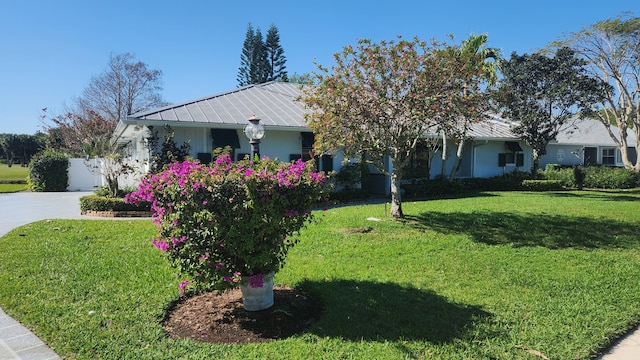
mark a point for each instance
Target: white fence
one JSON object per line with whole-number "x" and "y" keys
{"x": 86, "y": 175}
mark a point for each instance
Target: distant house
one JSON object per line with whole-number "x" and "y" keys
{"x": 585, "y": 142}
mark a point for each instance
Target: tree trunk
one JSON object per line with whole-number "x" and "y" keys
{"x": 456, "y": 165}
{"x": 443, "y": 170}
{"x": 396, "y": 199}
{"x": 535, "y": 164}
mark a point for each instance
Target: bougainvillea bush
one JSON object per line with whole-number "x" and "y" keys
{"x": 221, "y": 222}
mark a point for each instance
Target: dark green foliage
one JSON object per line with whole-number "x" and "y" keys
{"x": 541, "y": 94}
{"x": 542, "y": 185}
{"x": 14, "y": 147}
{"x": 261, "y": 60}
{"x": 349, "y": 195}
{"x": 49, "y": 171}
{"x": 349, "y": 176}
{"x": 167, "y": 152}
{"x": 435, "y": 188}
{"x": 603, "y": 177}
{"x": 557, "y": 173}
{"x": 439, "y": 188}
{"x": 275, "y": 56}
{"x": 105, "y": 203}
{"x": 596, "y": 177}
{"x": 121, "y": 192}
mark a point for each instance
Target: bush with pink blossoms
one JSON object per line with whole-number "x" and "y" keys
{"x": 221, "y": 222}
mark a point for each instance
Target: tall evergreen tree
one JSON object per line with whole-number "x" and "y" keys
{"x": 259, "y": 63}
{"x": 246, "y": 58}
{"x": 261, "y": 60}
{"x": 275, "y": 56}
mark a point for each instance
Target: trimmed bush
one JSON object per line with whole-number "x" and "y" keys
{"x": 434, "y": 188}
{"x": 49, "y": 171}
{"x": 104, "y": 203}
{"x": 603, "y": 177}
{"x": 599, "y": 177}
{"x": 542, "y": 185}
{"x": 564, "y": 175}
{"x": 349, "y": 195}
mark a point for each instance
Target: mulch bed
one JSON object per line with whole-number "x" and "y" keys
{"x": 220, "y": 318}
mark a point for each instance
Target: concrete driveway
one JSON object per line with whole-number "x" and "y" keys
{"x": 21, "y": 208}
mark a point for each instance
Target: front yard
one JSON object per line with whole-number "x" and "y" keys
{"x": 496, "y": 275}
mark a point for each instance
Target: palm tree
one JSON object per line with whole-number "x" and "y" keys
{"x": 473, "y": 53}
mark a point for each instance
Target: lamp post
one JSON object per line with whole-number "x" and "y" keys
{"x": 254, "y": 132}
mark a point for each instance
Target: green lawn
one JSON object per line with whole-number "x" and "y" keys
{"x": 16, "y": 172}
{"x": 491, "y": 276}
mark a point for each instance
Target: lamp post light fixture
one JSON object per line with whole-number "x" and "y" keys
{"x": 254, "y": 132}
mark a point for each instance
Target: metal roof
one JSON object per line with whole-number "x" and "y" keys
{"x": 588, "y": 132}
{"x": 493, "y": 128}
{"x": 273, "y": 102}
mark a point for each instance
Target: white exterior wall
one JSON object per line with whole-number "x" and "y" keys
{"x": 87, "y": 175}
{"x": 567, "y": 155}
{"x": 275, "y": 144}
{"x": 485, "y": 163}
{"x": 82, "y": 177}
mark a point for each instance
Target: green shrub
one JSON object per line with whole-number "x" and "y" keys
{"x": 603, "y": 177}
{"x": 434, "y": 188}
{"x": 49, "y": 171}
{"x": 104, "y": 203}
{"x": 564, "y": 175}
{"x": 349, "y": 195}
{"x": 104, "y": 191}
{"x": 600, "y": 177}
{"x": 542, "y": 185}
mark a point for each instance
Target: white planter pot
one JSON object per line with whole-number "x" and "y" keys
{"x": 260, "y": 298}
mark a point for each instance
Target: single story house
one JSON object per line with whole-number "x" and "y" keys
{"x": 218, "y": 121}
{"x": 586, "y": 142}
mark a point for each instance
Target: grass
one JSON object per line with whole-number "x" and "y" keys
{"x": 13, "y": 173}
{"x": 492, "y": 276}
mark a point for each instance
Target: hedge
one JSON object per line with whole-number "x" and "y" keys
{"x": 49, "y": 171}
{"x": 103, "y": 203}
{"x": 542, "y": 185}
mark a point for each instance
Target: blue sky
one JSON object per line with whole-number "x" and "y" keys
{"x": 49, "y": 50}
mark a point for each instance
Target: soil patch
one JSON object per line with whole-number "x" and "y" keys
{"x": 218, "y": 317}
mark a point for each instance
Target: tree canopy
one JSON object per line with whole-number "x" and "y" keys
{"x": 380, "y": 99}
{"x": 21, "y": 146}
{"x": 261, "y": 60}
{"x": 125, "y": 87}
{"x": 541, "y": 94}
{"x": 611, "y": 49}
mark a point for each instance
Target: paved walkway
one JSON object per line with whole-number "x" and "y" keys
{"x": 16, "y": 209}
{"x": 18, "y": 343}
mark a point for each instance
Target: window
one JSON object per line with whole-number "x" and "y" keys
{"x": 419, "y": 164}
{"x": 513, "y": 157}
{"x": 221, "y": 138}
{"x": 608, "y": 156}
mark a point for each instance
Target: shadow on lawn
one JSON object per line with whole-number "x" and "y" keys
{"x": 605, "y": 195}
{"x": 364, "y": 310}
{"x": 550, "y": 231}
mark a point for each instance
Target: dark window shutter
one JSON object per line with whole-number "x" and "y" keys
{"x": 502, "y": 160}
{"x": 327, "y": 163}
{"x": 223, "y": 137}
{"x": 294, "y": 157}
{"x": 519, "y": 159}
{"x": 205, "y": 158}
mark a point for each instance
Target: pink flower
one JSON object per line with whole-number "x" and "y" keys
{"x": 161, "y": 244}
